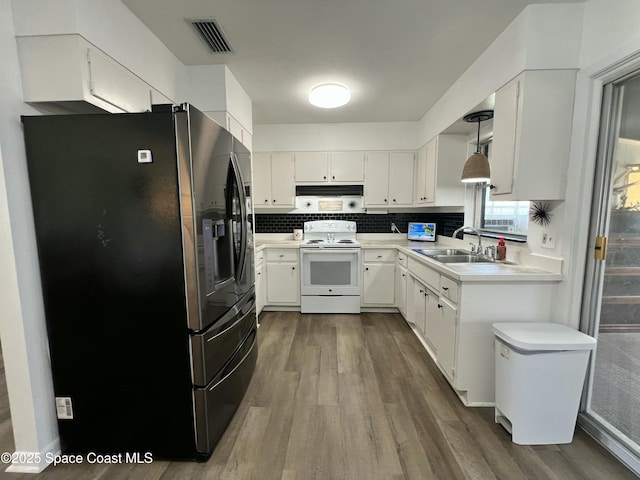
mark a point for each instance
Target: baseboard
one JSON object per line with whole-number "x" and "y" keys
{"x": 34, "y": 462}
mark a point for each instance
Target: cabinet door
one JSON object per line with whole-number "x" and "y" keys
{"x": 261, "y": 179}
{"x": 503, "y": 145}
{"x": 311, "y": 167}
{"x": 421, "y": 176}
{"x": 446, "y": 346}
{"x": 282, "y": 182}
{"x": 419, "y": 305}
{"x": 260, "y": 290}
{"x": 401, "y": 178}
{"x": 431, "y": 171}
{"x": 401, "y": 290}
{"x": 283, "y": 285}
{"x": 432, "y": 324}
{"x": 378, "y": 284}
{"x": 347, "y": 167}
{"x": 377, "y": 179}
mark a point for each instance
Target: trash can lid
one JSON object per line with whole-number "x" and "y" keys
{"x": 543, "y": 336}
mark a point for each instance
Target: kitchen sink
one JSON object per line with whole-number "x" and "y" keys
{"x": 433, "y": 252}
{"x": 468, "y": 259}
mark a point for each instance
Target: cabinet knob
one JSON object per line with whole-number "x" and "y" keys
{"x": 367, "y": 269}
{"x": 293, "y": 268}
{"x": 266, "y": 200}
{"x": 439, "y": 306}
{"x": 403, "y": 275}
{"x": 421, "y": 291}
{"x": 379, "y": 256}
{"x": 334, "y": 177}
{"x": 426, "y": 294}
{"x": 331, "y": 290}
{"x": 385, "y": 200}
{"x": 324, "y": 177}
{"x": 394, "y": 200}
{"x": 445, "y": 288}
{"x": 274, "y": 200}
{"x": 281, "y": 256}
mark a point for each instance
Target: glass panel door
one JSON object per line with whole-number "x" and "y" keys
{"x": 612, "y": 289}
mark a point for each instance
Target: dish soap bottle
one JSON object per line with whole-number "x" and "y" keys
{"x": 501, "y": 250}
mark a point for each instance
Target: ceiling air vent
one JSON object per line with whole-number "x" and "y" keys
{"x": 212, "y": 35}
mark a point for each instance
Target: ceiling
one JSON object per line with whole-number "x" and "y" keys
{"x": 397, "y": 57}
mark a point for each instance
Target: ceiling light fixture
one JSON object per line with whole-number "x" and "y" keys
{"x": 329, "y": 95}
{"x": 477, "y": 168}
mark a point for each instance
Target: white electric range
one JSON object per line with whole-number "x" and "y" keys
{"x": 330, "y": 268}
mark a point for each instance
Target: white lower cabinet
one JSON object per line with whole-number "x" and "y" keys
{"x": 419, "y": 306}
{"x": 402, "y": 279}
{"x": 283, "y": 272}
{"x": 261, "y": 282}
{"x": 455, "y": 320}
{"x": 445, "y": 341}
{"x": 378, "y": 277}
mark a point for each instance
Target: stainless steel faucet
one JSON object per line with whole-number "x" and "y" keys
{"x": 478, "y": 250}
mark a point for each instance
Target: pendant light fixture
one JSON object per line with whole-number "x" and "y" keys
{"x": 477, "y": 168}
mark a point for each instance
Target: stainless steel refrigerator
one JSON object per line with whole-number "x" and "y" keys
{"x": 144, "y": 233}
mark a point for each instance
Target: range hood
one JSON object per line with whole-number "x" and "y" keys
{"x": 329, "y": 190}
{"x": 329, "y": 199}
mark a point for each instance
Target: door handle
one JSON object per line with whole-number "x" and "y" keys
{"x": 600, "y": 250}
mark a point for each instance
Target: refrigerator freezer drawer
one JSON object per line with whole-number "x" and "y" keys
{"x": 215, "y": 404}
{"x": 212, "y": 349}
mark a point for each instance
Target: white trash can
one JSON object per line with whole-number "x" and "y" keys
{"x": 540, "y": 370}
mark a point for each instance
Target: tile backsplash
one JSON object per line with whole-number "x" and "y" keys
{"x": 367, "y": 223}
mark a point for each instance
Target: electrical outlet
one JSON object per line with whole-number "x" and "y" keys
{"x": 548, "y": 240}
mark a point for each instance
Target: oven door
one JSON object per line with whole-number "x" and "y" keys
{"x": 330, "y": 271}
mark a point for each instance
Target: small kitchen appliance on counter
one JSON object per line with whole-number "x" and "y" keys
{"x": 422, "y": 232}
{"x": 330, "y": 268}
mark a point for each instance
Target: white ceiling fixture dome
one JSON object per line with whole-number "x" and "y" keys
{"x": 329, "y": 95}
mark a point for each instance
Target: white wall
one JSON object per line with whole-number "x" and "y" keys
{"x": 610, "y": 47}
{"x": 336, "y": 137}
{"x": 22, "y": 328}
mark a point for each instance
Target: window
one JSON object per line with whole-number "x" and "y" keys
{"x": 501, "y": 217}
{"x": 504, "y": 217}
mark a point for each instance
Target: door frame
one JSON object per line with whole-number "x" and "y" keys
{"x": 601, "y": 128}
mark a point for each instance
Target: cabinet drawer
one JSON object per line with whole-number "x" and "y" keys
{"x": 379, "y": 255}
{"x": 425, "y": 274}
{"x": 283, "y": 255}
{"x": 402, "y": 259}
{"x": 449, "y": 289}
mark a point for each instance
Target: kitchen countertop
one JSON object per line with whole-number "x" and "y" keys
{"x": 467, "y": 272}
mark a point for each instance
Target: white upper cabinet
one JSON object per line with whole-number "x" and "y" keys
{"x": 531, "y": 136}
{"x": 71, "y": 74}
{"x": 273, "y": 184}
{"x": 440, "y": 163}
{"x": 389, "y": 179}
{"x": 346, "y": 167}
{"x": 311, "y": 166}
{"x": 334, "y": 167}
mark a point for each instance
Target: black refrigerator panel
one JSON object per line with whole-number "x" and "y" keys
{"x": 107, "y": 216}
{"x": 212, "y": 349}
{"x": 210, "y": 178}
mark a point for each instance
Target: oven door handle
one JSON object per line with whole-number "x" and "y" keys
{"x": 321, "y": 249}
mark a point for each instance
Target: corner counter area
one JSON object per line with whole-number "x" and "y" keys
{"x": 449, "y": 307}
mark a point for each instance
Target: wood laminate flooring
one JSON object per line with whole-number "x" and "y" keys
{"x": 355, "y": 397}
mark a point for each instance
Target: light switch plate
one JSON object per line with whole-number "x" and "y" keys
{"x": 547, "y": 240}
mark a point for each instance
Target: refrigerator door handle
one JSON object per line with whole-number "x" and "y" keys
{"x": 243, "y": 215}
